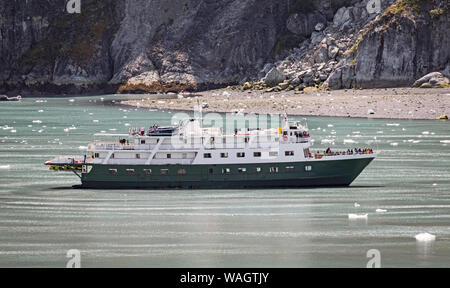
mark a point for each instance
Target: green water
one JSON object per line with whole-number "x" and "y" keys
{"x": 42, "y": 217}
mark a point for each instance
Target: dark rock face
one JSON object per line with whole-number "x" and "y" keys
{"x": 397, "y": 49}
{"x": 153, "y": 45}
{"x": 139, "y": 46}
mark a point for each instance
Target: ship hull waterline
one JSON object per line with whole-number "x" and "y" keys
{"x": 327, "y": 173}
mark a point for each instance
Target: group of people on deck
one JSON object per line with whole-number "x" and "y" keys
{"x": 355, "y": 151}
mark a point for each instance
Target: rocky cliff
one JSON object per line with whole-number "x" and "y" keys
{"x": 158, "y": 45}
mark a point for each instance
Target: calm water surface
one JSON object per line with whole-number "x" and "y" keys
{"x": 42, "y": 217}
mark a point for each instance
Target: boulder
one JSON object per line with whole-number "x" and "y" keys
{"x": 321, "y": 55}
{"x": 342, "y": 16}
{"x": 432, "y": 80}
{"x": 332, "y": 52}
{"x": 274, "y": 77}
{"x": 442, "y": 117}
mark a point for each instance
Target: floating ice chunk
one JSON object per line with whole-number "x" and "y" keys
{"x": 37, "y": 121}
{"x": 393, "y": 124}
{"x": 13, "y": 131}
{"x": 445, "y": 141}
{"x": 425, "y": 132}
{"x": 83, "y": 148}
{"x": 349, "y": 141}
{"x": 95, "y": 121}
{"x": 357, "y": 216}
{"x": 72, "y": 100}
{"x": 327, "y": 141}
{"x": 356, "y": 205}
{"x": 5, "y": 167}
{"x": 425, "y": 237}
{"x": 380, "y": 210}
{"x": 394, "y": 144}
{"x": 330, "y": 125}
{"x": 434, "y": 184}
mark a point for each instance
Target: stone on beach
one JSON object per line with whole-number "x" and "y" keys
{"x": 274, "y": 77}
{"x": 432, "y": 80}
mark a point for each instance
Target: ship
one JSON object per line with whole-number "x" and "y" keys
{"x": 189, "y": 156}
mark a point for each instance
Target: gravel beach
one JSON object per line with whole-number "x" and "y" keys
{"x": 391, "y": 103}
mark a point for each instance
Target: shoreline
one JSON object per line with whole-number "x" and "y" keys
{"x": 385, "y": 103}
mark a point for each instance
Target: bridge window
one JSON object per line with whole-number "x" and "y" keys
{"x": 256, "y": 154}
{"x": 223, "y": 155}
{"x": 97, "y": 155}
{"x": 289, "y": 153}
{"x": 142, "y": 141}
{"x": 169, "y": 156}
{"x": 240, "y": 155}
{"x": 207, "y": 155}
{"x": 130, "y": 171}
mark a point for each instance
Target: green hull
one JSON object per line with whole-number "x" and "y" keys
{"x": 323, "y": 173}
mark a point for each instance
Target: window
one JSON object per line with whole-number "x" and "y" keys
{"x": 184, "y": 156}
{"x": 169, "y": 156}
{"x": 308, "y": 168}
{"x": 273, "y": 170}
{"x": 211, "y": 171}
{"x": 273, "y": 154}
{"x": 223, "y": 155}
{"x": 289, "y": 153}
{"x": 256, "y": 154}
{"x": 97, "y": 155}
{"x": 247, "y": 139}
{"x": 207, "y": 155}
{"x": 290, "y": 169}
{"x": 182, "y": 172}
{"x": 138, "y": 156}
{"x": 130, "y": 171}
{"x": 258, "y": 170}
{"x": 226, "y": 171}
{"x": 147, "y": 171}
{"x": 112, "y": 156}
{"x": 142, "y": 141}
{"x": 113, "y": 171}
{"x": 240, "y": 155}
{"x": 164, "y": 171}
{"x": 242, "y": 170}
